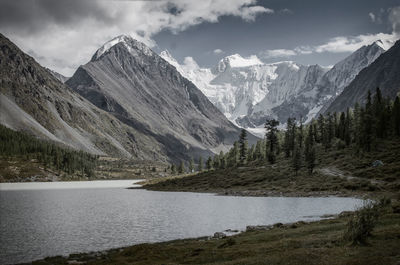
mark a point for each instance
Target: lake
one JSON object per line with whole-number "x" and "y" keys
{"x": 59, "y": 218}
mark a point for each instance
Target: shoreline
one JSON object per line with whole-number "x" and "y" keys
{"x": 306, "y": 233}
{"x": 227, "y": 233}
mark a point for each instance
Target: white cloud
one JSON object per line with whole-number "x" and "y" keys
{"x": 372, "y": 16}
{"x": 277, "y": 53}
{"x": 63, "y": 45}
{"x": 286, "y": 11}
{"x": 343, "y": 44}
{"x": 350, "y": 44}
{"x": 218, "y": 51}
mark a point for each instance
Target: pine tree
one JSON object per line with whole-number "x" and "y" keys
{"x": 301, "y": 133}
{"x": 348, "y": 127}
{"x": 296, "y": 159}
{"x": 378, "y": 114}
{"x": 173, "y": 169}
{"x": 181, "y": 168}
{"x": 321, "y": 128}
{"x": 200, "y": 165}
{"x": 191, "y": 165}
{"x": 209, "y": 163}
{"x": 233, "y": 155}
{"x": 216, "y": 162}
{"x": 309, "y": 150}
{"x": 368, "y": 124}
{"x": 243, "y": 147}
{"x": 259, "y": 152}
{"x": 272, "y": 139}
{"x": 396, "y": 116}
{"x": 289, "y": 137}
{"x": 223, "y": 163}
{"x": 341, "y": 126}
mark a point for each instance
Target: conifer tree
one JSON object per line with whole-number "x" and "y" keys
{"x": 367, "y": 121}
{"x": 173, "y": 169}
{"x": 181, "y": 168}
{"x": 296, "y": 159}
{"x": 309, "y": 150}
{"x": 191, "y": 165}
{"x": 223, "y": 162}
{"x": 209, "y": 163}
{"x": 289, "y": 136}
{"x": 200, "y": 165}
{"x": 272, "y": 139}
{"x": 259, "y": 152}
{"x": 301, "y": 133}
{"x": 216, "y": 162}
{"x": 348, "y": 127}
{"x": 396, "y": 116}
{"x": 321, "y": 128}
{"x": 243, "y": 147}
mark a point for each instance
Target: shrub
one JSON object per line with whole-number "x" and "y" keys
{"x": 362, "y": 223}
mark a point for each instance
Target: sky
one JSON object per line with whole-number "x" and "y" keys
{"x": 64, "y": 34}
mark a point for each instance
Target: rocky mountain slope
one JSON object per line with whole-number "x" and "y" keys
{"x": 59, "y": 76}
{"x": 128, "y": 80}
{"x": 248, "y": 91}
{"x": 384, "y": 73}
{"x": 33, "y": 100}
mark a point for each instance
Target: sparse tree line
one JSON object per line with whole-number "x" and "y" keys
{"x": 22, "y": 145}
{"x": 359, "y": 128}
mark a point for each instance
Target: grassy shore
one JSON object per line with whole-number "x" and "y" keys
{"x": 339, "y": 172}
{"x": 300, "y": 243}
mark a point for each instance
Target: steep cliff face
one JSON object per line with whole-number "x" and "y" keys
{"x": 384, "y": 73}
{"x": 142, "y": 90}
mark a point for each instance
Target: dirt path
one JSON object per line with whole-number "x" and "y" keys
{"x": 335, "y": 172}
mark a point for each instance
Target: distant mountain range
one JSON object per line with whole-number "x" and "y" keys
{"x": 127, "y": 101}
{"x": 248, "y": 91}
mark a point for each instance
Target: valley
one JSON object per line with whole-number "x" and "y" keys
{"x": 190, "y": 132}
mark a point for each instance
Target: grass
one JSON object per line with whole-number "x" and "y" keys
{"x": 300, "y": 243}
{"x": 21, "y": 169}
{"x": 262, "y": 178}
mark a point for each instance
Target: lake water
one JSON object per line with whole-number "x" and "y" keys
{"x": 47, "y": 219}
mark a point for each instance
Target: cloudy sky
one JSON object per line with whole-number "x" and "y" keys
{"x": 62, "y": 35}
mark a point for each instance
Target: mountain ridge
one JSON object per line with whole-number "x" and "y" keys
{"x": 144, "y": 91}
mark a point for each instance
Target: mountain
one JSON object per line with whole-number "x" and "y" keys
{"x": 59, "y": 76}
{"x": 33, "y": 100}
{"x": 342, "y": 73}
{"x": 248, "y": 91}
{"x": 142, "y": 90}
{"x": 245, "y": 89}
{"x": 384, "y": 73}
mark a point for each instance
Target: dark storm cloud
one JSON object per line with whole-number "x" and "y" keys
{"x": 32, "y": 16}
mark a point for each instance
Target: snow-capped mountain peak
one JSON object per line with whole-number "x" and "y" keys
{"x": 384, "y": 44}
{"x": 236, "y": 61}
{"x": 247, "y": 90}
{"x": 129, "y": 42}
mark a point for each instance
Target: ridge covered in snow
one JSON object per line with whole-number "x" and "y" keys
{"x": 130, "y": 43}
{"x": 248, "y": 91}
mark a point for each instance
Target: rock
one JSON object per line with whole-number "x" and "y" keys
{"x": 231, "y": 231}
{"x": 219, "y": 235}
{"x": 257, "y": 227}
{"x": 377, "y": 163}
{"x": 278, "y": 225}
{"x": 75, "y": 262}
{"x": 345, "y": 214}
